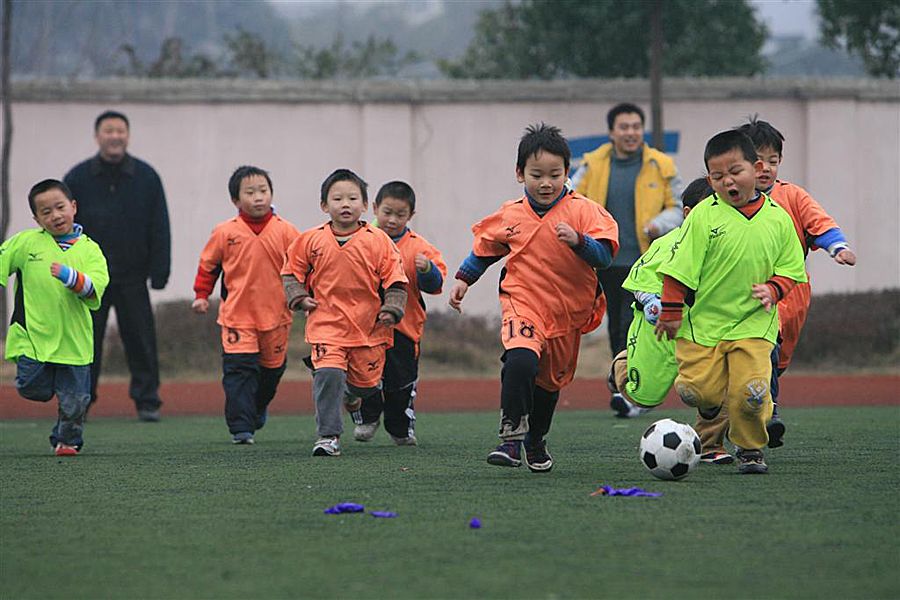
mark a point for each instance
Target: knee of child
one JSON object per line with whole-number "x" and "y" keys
{"x": 754, "y": 394}
{"x": 520, "y": 363}
{"x": 689, "y": 394}
{"x": 35, "y": 393}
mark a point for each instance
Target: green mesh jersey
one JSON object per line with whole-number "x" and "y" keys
{"x": 720, "y": 255}
{"x": 642, "y": 277}
{"x": 50, "y": 323}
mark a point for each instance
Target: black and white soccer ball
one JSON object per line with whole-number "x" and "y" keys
{"x": 669, "y": 449}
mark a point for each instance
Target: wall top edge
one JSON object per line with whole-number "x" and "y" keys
{"x": 436, "y": 91}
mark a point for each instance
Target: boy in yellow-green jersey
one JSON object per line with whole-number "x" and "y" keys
{"x": 737, "y": 256}
{"x": 60, "y": 277}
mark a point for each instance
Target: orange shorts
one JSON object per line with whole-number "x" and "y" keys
{"x": 271, "y": 344}
{"x": 792, "y": 312}
{"x": 363, "y": 364}
{"x": 557, "y": 357}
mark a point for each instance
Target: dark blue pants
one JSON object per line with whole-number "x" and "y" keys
{"x": 249, "y": 388}
{"x": 618, "y": 306}
{"x": 70, "y": 384}
{"x": 134, "y": 316}
{"x": 398, "y": 390}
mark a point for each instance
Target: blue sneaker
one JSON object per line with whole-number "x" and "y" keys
{"x": 244, "y": 437}
{"x": 536, "y": 456}
{"x": 507, "y": 454}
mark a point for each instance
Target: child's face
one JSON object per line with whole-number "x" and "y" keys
{"x": 733, "y": 177}
{"x": 345, "y": 205}
{"x": 393, "y": 214}
{"x": 544, "y": 176}
{"x": 771, "y": 161}
{"x": 254, "y": 196}
{"x": 54, "y": 212}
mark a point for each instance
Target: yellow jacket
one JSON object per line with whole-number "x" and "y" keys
{"x": 654, "y": 198}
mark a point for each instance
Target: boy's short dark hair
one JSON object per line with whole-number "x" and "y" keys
{"x": 696, "y": 191}
{"x": 241, "y": 173}
{"x": 623, "y": 108}
{"x": 545, "y": 138}
{"x": 45, "y": 186}
{"x": 344, "y": 175}
{"x": 726, "y": 141}
{"x": 399, "y": 190}
{"x": 763, "y": 134}
{"x": 110, "y": 114}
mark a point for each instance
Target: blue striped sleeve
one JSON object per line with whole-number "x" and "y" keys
{"x": 474, "y": 267}
{"x": 596, "y": 253}
{"x": 431, "y": 280}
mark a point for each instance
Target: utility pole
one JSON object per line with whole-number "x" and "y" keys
{"x": 656, "y": 56}
{"x": 5, "y": 53}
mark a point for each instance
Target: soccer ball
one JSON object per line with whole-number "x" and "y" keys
{"x": 670, "y": 450}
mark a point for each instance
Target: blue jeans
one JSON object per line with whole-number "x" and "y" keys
{"x": 72, "y": 386}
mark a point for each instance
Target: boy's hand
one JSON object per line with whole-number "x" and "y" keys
{"x": 566, "y": 234}
{"x": 667, "y": 329}
{"x": 457, "y": 293}
{"x": 422, "y": 263}
{"x": 306, "y": 304}
{"x": 763, "y": 293}
{"x": 386, "y": 319}
{"x": 845, "y": 257}
{"x": 200, "y": 306}
{"x": 652, "y": 231}
{"x": 652, "y": 310}
{"x": 55, "y": 268}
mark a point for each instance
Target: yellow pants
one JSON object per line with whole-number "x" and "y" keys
{"x": 712, "y": 431}
{"x": 734, "y": 373}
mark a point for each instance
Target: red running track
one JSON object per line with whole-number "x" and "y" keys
{"x": 452, "y": 395}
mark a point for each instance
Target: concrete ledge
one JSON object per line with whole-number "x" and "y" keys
{"x": 181, "y": 91}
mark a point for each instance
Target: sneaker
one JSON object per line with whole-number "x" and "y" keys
{"x": 776, "y": 429}
{"x": 751, "y": 462}
{"x": 244, "y": 437}
{"x": 405, "y": 441}
{"x": 65, "y": 450}
{"x": 717, "y": 458}
{"x": 148, "y": 415}
{"x": 507, "y": 454}
{"x": 365, "y": 432}
{"x": 625, "y": 409}
{"x": 327, "y": 446}
{"x": 537, "y": 458}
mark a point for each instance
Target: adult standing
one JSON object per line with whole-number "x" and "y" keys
{"x": 122, "y": 206}
{"x": 639, "y": 186}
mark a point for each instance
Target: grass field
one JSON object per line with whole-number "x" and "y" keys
{"x": 175, "y": 511}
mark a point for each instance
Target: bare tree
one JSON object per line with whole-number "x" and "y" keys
{"x": 7, "y": 141}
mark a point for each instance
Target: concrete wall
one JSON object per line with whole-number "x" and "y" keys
{"x": 455, "y": 142}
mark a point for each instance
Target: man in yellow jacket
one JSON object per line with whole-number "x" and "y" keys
{"x": 640, "y": 187}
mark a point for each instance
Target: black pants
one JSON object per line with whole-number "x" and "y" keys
{"x": 136, "y": 328}
{"x": 522, "y": 401}
{"x": 249, "y": 388}
{"x": 398, "y": 390}
{"x": 618, "y": 306}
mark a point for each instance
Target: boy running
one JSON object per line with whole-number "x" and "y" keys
{"x": 337, "y": 273}
{"x": 553, "y": 241}
{"x": 736, "y": 257}
{"x": 395, "y": 204}
{"x": 248, "y": 251}
{"x": 60, "y": 277}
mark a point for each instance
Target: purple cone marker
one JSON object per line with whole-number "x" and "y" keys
{"x": 475, "y": 523}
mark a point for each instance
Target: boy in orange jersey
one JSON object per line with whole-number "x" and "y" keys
{"x": 337, "y": 273}
{"x": 816, "y": 229}
{"x": 395, "y": 204}
{"x": 553, "y": 240}
{"x": 248, "y": 251}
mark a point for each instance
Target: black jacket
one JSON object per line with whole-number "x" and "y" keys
{"x": 123, "y": 208}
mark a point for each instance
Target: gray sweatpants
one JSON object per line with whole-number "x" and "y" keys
{"x": 329, "y": 389}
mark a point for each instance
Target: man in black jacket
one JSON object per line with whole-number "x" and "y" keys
{"x": 122, "y": 206}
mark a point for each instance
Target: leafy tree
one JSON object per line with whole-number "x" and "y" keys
{"x": 170, "y": 64}
{"x": 867, "y": 28}
{"x": 249, "y": 54}
{"x": 371, "y": 58}
{"x": 546, "y": 39}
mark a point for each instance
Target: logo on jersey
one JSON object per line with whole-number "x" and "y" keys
{"x": 315, "y": 253}
{"x": 232, "y": 241}
{"x": 34, "y": 257}
{"x": 512, "y": 230}
{"x": 373, "y": 365}
{"x": 716, "y": 232}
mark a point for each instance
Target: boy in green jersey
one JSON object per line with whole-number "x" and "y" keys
{"x": 642, "y": 374}
{"x": 736, "y": 257}
{"x": 60, "y": 277}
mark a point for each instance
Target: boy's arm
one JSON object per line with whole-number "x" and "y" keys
{"x": 431, "y": 278}
{"x": 95, "y": 269}
{"x": 207, "y": 272}
{"x": 8, "y": 258}
{"x": 394, "y": 304}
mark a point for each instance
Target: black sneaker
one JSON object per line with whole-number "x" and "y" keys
{"x": 751, "y": 462}
{"x": 625, "y": 409}
{"x": 775, "y": 428}
{"x": 717, "y": 458}
{"x": 537, "y": 458}
{"x": 507, "y": 454}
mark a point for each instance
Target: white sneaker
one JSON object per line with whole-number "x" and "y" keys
{"x": 406, "y": 441}
{"x": 625, "y": 409}
{"x": 365, "y": 432}
{"x": 327, "y": 446}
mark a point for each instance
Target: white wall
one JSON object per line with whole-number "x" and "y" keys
{"x": 456, "y": 144}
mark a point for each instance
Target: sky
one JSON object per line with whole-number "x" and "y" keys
{"x": 789, "y": 17}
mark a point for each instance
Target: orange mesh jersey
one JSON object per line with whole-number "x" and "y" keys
{"x": 809, "y": 218}
{"x": 345, "y": 281}
{"x": 411, "y": 244}
{"x": 544, "y": 280}
{"x": 252, "y": 295}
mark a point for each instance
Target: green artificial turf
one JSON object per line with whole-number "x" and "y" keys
{"x": 173, "y": 510}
